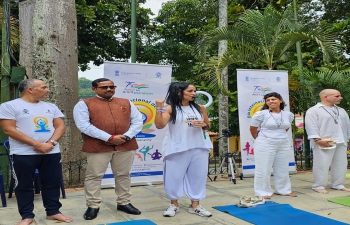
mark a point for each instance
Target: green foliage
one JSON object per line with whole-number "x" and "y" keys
{"x": 85, "y": 88}
{"x": 178, "y": 25}
{"x": 14, "y": 30}
{"x": 263, "y": 39}
{"x": 104, "y": 30}
{"x": 306, "y": 95}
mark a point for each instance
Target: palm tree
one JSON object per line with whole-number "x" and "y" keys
{"x": 306, "y": 94}
{"x": 262, "y": 38}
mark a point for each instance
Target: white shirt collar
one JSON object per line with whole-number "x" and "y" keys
{"x": 319, "y": 104}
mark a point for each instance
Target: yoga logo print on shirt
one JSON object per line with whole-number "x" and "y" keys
{"x": 41, "y": 124}
{"x": 190, "y": 119}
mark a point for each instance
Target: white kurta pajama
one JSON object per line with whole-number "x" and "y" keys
{"x": 321, "y": 122}
{"x": 271, "y": 151}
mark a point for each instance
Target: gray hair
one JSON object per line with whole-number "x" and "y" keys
{"x": 24, "y": 84}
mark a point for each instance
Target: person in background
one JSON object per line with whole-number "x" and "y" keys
{"x": 185, "y": 147}
{"x": 328, "y": 129}
{"x": 109, "y": 126}
{"x": 34, "y": 128}
{"x": 272, "y": 148}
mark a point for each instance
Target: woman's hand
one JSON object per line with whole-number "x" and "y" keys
{"x": 159, "y": 103}
{"x": 199, "y": 123}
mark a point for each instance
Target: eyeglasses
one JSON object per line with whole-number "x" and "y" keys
{"x": 106, "y": 87}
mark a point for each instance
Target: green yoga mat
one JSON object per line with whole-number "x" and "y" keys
{"x": 341, "y": 201}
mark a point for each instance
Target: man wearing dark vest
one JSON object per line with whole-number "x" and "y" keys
{"x": 109, "y": 126}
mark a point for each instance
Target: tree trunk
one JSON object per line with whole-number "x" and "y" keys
{"x": 49, "y": 52}
{"x": 223, "y": 100}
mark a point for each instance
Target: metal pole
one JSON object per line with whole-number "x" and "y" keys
{"x": 5, "y": 73}
{"x": 301, "y": 79}
{"x": 133, "y": 31}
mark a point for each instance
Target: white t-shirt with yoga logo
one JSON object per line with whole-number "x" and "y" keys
{"x": 182, "y": 135}
{"x": 34, "y": 120}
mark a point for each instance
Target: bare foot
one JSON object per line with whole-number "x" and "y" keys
{"x": 345, "y": 189}
{"x": 321, "y": 191}
{"x": 291, "y": 194}
{"x": 26, "y": 221}
{"x": 60, "y": 217}
{"x": 266, "y": 197}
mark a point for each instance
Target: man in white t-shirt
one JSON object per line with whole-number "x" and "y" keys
{"x": 34, "y": 128}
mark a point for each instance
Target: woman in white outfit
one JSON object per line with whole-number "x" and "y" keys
{"x": 185, "y": 147}
{"x": 272, "y": 147}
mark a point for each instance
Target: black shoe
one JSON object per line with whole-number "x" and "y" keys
{"x": 128, "y": 208}
{"x": 91, "y": 213}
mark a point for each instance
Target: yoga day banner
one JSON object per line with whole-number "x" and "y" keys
{"x": 252, "y": 86}
{"x": 142, "y": 84}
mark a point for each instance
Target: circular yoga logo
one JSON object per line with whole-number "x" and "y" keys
{"x": 148, "y": 115}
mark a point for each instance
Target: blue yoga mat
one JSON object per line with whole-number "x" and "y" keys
{"x": 272, "y": 213}
{"x": 132, "y": 222}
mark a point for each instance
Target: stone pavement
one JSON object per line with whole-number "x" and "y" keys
{"x": 152, "y": 201}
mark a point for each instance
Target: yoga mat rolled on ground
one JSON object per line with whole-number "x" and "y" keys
{"x": 131, "y": 222}
{"x": 272, "y": 213}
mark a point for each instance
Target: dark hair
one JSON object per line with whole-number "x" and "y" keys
{"x": 174, "y": 98}
{"x": 276, "y": 95}
{"x": 95, "y": 82}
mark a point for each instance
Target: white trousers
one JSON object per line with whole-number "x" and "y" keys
{"x": 186, "y": 172}
{"x": 271, "y": 153}
{"x": 323, "y": 159}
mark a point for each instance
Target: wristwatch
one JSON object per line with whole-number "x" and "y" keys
{"x": 54, "y": 142}
{"x": 127, "y": 138}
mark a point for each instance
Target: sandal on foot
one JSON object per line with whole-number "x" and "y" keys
{"x": 321, "y": 191}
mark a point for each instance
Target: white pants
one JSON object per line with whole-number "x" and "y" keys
{"x": 323, "y": 159}
{"x": 271, "y": 153}
{"x": 186, "y": 172}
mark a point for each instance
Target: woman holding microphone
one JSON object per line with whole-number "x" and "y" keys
{"x": 272, "y": 147}
{"x": 185, "y": 148}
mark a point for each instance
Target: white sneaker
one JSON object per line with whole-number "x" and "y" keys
{"x": 200, "y": 211}
{"x": 171, "y": 211}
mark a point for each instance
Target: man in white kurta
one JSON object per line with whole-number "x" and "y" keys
{"x": 323, "y": 121}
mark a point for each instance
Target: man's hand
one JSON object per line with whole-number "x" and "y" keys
{"x": 118, "y": 139}
{"x": 324, "y": 143}
{"x": 44, "y": 148}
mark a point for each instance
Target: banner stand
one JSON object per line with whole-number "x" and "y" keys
{"x": 142, "y": 84}
{"x": 252, "y": 85}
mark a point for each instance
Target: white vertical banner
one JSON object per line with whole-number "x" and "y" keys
{"x": 252, "y": 86}
{"x": 142, "y": 84}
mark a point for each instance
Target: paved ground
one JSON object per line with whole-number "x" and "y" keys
{"x": 152, "y": 201}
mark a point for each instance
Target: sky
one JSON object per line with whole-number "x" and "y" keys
{"x": 97, "y": 71}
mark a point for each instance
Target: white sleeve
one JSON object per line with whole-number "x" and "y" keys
{"x": 7, "y": 112}
{"x": 257, "y": 119}
{"x": 311, "y": 123}
{"x": 58, "y": 112}
{"x": 136, "y": 122}
{"x": 291, "y": 117}
{"x": 82, "y": 121}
